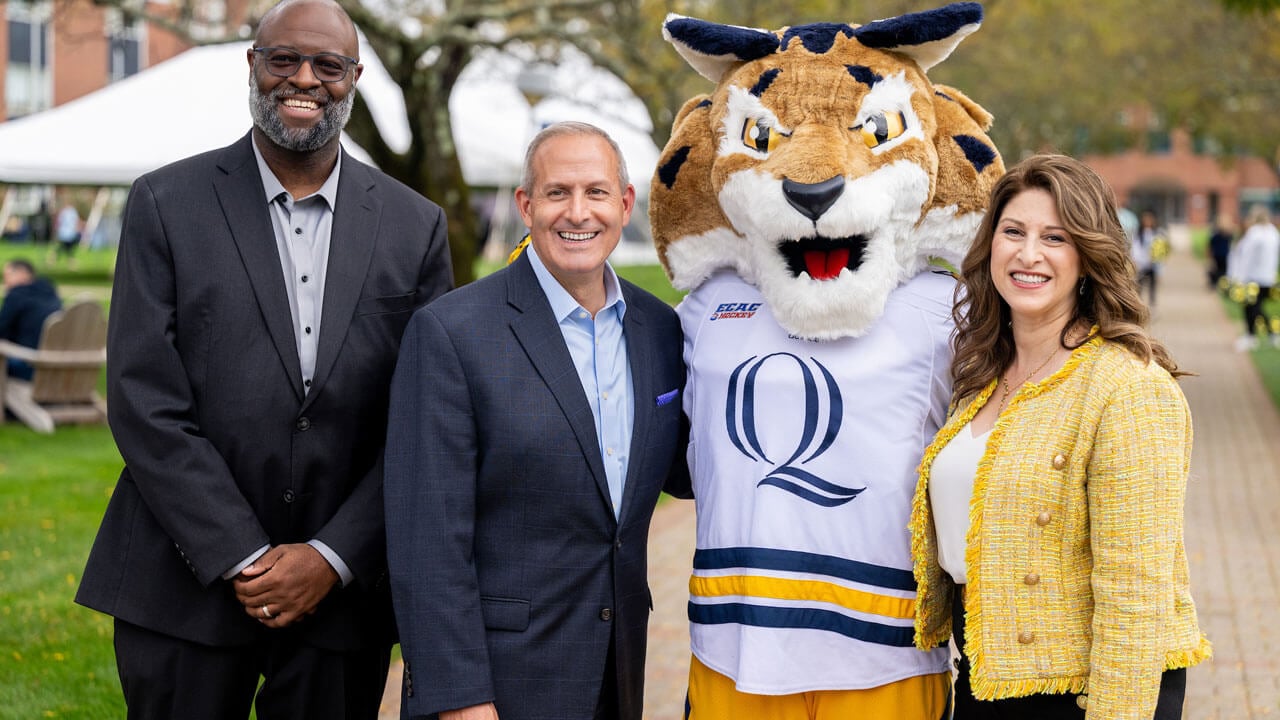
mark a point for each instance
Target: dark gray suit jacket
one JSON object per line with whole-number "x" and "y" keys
{"x": 509, "y": 571}
{"x": 223, "y": 451}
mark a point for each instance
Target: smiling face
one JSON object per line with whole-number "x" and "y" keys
{"x": 1034, "y": 262}
{"x": 575, "y": 210}
{"x": 300, "y": 113}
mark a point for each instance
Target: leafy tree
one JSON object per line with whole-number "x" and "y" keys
{"x": 1098, "y": 77}
{"x": 1077, "y": 77}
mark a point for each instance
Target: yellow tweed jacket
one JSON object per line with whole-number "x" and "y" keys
{"x": 1077, "y": 574}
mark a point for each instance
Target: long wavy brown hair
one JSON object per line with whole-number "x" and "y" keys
{"x": 983, "y": 338}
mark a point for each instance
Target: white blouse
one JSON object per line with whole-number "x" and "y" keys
{"x": 950, "y": 491}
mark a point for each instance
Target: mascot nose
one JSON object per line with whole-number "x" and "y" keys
{"x": 813, "y": 199}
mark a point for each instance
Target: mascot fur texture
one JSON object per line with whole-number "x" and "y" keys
{"x": 825, "y": 168}
{"x": 806, "y": 204}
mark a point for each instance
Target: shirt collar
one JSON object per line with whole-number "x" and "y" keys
{"x": 273, "y": 187}
{"x": 562, "y": 303}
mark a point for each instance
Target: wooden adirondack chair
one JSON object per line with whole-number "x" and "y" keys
{"x": 63, "y": 388}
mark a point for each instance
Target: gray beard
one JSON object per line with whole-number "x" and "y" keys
{"x": 267, "y": 119}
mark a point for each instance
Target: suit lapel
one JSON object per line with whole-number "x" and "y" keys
{"x": 539, "y": 334}
{"x": 643, "y": 394}
{"x": 244, "y": 206}
{"x": 351, "y": 241}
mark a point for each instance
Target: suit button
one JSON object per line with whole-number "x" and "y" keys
{"x": 1043, "y": 518}
{"x": 606, "y": 614}
{"x": 289, "y": 496}
{"x": 617, "y": 544}
{"x": 304, "y": 424}
{"x": 1059, "y": 461}
{"x": 1026, "y": 637}
{"x": 1031, "y": 579}
{"x": 1082, "y": 702}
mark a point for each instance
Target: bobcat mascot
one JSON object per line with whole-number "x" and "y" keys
{"x": 810, "y": 204}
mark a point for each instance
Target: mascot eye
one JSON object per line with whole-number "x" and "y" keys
{"x": 759, "y": 135}
{"x": 881, "y": 128}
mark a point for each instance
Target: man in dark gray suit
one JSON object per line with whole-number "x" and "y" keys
{"x": 534, "y": 419}
{"x": 260, "y": 294}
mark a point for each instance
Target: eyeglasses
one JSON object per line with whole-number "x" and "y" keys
{"x": 327, "y": 67}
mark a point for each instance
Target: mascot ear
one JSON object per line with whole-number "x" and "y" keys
{"x": 712, "y": 49}
{"x": 926, "y": 37}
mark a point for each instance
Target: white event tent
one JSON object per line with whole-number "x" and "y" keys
{"x": 198, "y": 101}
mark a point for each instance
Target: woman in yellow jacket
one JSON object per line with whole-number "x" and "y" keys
{"x": 1047, "y": 523}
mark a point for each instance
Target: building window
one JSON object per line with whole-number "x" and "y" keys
{"x": 124, "y": 45}
{"x": 28, "y": 86}
{"x": 1159, "y": 142}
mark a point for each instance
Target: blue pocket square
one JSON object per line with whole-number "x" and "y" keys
{"x": 667, "y": 397}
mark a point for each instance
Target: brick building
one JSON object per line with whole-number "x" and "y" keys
{"x": 54, "y": 51}
{"x": 1185, "y": 186}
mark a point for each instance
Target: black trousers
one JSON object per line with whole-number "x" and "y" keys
{"x": 1253, "y": 311}
{"x": 1173, "y": 686}
{"x": 1148, "y": 278}
{"x": 164, "y": 677}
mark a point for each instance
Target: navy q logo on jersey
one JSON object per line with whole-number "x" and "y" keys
{"x": 740, "y": 421}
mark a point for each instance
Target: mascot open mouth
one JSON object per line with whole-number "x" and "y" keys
{"x": 823, "y": 258}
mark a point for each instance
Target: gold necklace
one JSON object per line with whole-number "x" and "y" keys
{"x": 1004, "y": 380}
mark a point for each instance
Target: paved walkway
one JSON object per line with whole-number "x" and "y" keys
{"x": 1233, "y": 507}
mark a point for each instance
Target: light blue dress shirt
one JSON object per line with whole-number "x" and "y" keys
{"x": 599, "y": 350}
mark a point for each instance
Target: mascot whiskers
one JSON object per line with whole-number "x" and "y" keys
{"x": 812, "y": 205}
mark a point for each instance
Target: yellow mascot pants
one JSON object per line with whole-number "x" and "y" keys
{"x": 712, "y": 696}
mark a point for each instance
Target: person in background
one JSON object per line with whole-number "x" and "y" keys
{"x": 41, "y": 224}
{"x": 1128, "y": 221}
{"x": 1220, "y": 241}
{"x": 1149, "y": 247}
{"x": 28, "y": 301}
{"x": 1047, "y": 521}
{"x": 66, "y": 229}
{"x": 260, "y": 293}
{"x": 1253, "y": 266}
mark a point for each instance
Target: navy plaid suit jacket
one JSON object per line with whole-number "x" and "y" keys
{"x": 509, "y": 572}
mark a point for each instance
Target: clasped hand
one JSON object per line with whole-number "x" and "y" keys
{"x": 289, "y": 581}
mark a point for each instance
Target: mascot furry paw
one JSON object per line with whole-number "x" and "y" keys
{"x": 803, "y": 203}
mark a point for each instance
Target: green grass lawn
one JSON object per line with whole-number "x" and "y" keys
{"x": 1268, "y": 362}
{"x": 92, "y": 268}
{"x": 56, "y": 659}
{"x": 1266, "y": 358}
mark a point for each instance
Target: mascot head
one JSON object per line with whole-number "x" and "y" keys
{"x": 824, "y": 168}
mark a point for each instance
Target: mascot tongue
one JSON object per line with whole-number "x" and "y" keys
{"x": 825, "y": 264}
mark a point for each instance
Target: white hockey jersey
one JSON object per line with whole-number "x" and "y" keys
{"x": 804, "y": 457}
